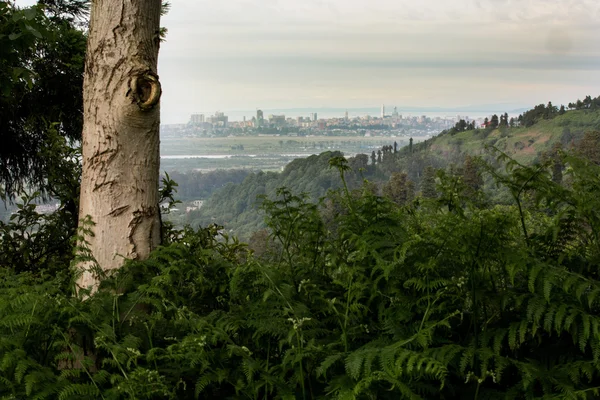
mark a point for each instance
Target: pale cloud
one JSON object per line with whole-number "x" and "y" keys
{"x": 313, "y": 53}
{"x": 242, "y": 54}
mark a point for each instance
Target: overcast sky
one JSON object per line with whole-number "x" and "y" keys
{"x": 248, "y": 54}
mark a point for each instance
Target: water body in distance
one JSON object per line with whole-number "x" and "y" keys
{"x": 225, "y": 156}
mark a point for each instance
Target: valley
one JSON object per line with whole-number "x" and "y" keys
{"x": 265, "y": 153}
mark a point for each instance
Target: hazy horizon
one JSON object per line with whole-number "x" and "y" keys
{"x": 334, "y": 112}
{"x": 248, "y": 54}
{"x": 279, "y": 54}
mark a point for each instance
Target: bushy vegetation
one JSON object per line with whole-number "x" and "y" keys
{"x": 41, "y": 76}
{"x": 235, "y": 206}
{"x": 442, "y": 297}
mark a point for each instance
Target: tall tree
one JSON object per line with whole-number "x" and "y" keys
{"x": 589, "y": 146}
{"x": 41, "y": 75}
{"x": 472, "y": 176}
{"x": 428, "y": 190}
{"x": 119, "y": 188}
{"x": 557, "y": 163}
{"x": 399, "y": 188}
{"x": 566, "y": 137}
{"x": 358, "y": 162}
{"x": 494, "y": 121}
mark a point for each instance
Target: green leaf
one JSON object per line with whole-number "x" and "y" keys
{"x": 35, "y": 32}
{"x": 30, "y": 13}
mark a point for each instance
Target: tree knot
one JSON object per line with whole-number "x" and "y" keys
{"x": 145, "y": 90}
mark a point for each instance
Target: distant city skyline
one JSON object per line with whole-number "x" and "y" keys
{"x": 353, "y": 112}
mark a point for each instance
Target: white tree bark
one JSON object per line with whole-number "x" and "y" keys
{"x": 119, "y": 187}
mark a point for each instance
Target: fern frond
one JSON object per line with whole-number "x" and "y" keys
{"x": 80, "y": 390}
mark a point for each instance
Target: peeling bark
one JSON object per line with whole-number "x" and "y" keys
{"x": 119, "y": 188}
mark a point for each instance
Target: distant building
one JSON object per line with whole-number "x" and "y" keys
{"x": 196, "y": 119}
{"x": 277, "y": 120}
{"x": 219, "y": 119}
{"x": 259, "y": 118}
{"x": 314, "y": 116}
{"x": 346, "y": 115}
{"x": 383, "y": 111}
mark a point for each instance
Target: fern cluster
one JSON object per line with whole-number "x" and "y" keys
{"x": 444, "y": 298}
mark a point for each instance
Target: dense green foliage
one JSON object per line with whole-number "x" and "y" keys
{"x": 41, "y": 77}
{"x": 236, "y": 206}
{"x": 443, "y": 297}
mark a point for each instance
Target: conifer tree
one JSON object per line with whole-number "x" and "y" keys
{"x": 399, "y": 188}
{"x": 557, "y": 164}
{"x": 471, "y": 175}
{"x": 428, "y": 190}
{"x": 494, "y": 121}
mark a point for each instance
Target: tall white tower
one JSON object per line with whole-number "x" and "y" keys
{"x": 383, "y": 111}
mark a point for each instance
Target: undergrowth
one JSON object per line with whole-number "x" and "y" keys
{"x": 443, "y": 298}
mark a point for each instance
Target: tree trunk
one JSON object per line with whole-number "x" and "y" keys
{"x": 119, "y": 184}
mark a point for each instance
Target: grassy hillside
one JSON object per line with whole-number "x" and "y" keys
{"x": 523, "y": 144}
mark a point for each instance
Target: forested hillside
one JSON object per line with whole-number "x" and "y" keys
{"x": 536, "y": 135}
{"x": 236, "y": 206}
{"x": 523, "y": 143}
